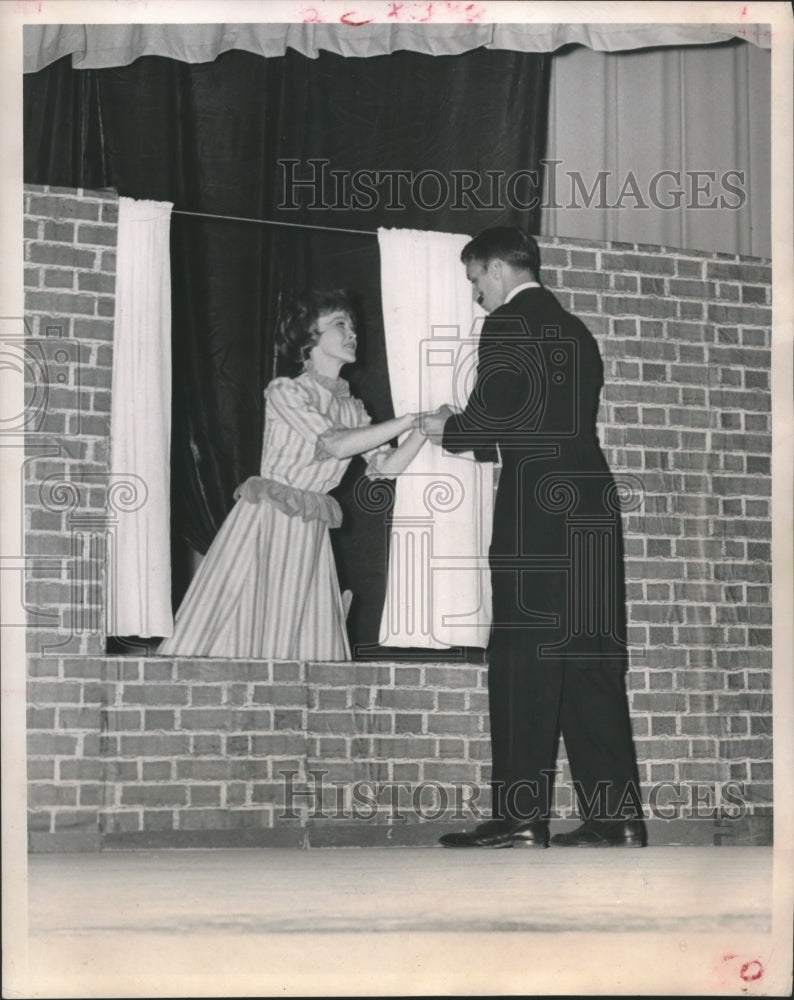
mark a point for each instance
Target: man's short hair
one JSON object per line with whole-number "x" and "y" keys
{"x": 506, "y": 243}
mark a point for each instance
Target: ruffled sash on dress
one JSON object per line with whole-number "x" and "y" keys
{"x": 291, "y": 500}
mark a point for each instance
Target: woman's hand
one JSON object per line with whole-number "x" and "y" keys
{"x": 433, "y": 423}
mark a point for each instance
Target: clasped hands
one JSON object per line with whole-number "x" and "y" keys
{"x": 431, "y": 422}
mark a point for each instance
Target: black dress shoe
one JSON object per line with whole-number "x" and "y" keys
{"x": 604, "y": 833}
{"x": 500, "y": 833}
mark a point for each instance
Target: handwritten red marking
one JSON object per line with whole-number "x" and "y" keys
{"x": 751, "y": 971}
{"x": 311, "y": 16}
{"x": 744, "y": 12}
{"x": 727, "y": 958}
{"x": 349, "y": 19}
{"x": 395, "y": 9}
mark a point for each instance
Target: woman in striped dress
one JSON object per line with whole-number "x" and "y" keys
{"x": 267, "y": 587}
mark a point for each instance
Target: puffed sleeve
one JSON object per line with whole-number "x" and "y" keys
{"x": 295, "y": 405}
{"x": 375, "y": 456}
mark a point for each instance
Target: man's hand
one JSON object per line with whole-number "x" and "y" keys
{"x": 433, "y": 423}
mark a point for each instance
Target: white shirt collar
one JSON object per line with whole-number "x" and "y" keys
{"x": 520, "y": 288}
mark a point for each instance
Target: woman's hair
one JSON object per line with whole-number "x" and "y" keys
{"x": 297, "y": 332}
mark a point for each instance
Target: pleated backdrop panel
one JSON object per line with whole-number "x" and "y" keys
{"x": 636, "y": 114}
{"x": 139, "y": 577}
{"x": 438, "y": 585}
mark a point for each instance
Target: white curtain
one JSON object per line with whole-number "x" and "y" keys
{"x": 139, "y": 552}
{"x": 438, "y": 590}
{"x": 703, "y": 109}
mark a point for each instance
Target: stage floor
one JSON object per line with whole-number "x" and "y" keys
{"x": 401, "y": 920}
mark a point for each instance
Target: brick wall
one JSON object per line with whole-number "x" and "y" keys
{"x": 686, "y": 408}
{"x": 70, "y": 268}
{"x": 126, "y": 750}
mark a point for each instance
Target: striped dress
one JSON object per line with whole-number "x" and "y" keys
{"x": 267, "y": 587}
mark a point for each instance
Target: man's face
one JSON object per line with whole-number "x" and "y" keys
{"x": 487, "y": 287}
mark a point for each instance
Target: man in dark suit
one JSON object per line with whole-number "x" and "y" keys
{"x": 557, "y": 653}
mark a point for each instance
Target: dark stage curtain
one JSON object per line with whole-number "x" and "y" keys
{"x": 213, "y": 138}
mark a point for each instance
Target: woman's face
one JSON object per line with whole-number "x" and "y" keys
{"x": 337, "y": 336}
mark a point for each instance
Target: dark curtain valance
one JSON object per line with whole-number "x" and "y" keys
{"x": 94, "y": 46}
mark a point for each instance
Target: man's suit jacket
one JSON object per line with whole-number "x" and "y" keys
{"x": 556, "y": 548}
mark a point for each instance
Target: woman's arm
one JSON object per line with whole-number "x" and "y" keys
{"x": 398, "y": 459}
{"x": 345, "y": 443}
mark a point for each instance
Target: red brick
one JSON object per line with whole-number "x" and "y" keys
{"x": 280, "y": 694}
{"x": 157, "y": 770}
{"x": 759, "y": 748}
{"x": 452, "y": 701}
{"x": 662, "y": 749}
{"x": 93, "y": 329}
{"x": 335, "y": 723}
{"x": 203, "y": 770}
{"x": 465, "y": 725}
{"x": 92, "y": 281}
{"x": 79, "y": 718}
{"x": 40, "y": 770}
{"x": 154, "y": 795}
{"x": 154, "y": 694}
{"x": 285, "y": 672}
{"x": 159, "y": 719}
{"x": 39, "y": 821}
{"x": 58, "y": 232}
{"x": 52, "y": 206}
{"x": 278, "y": 745}
{"x": 110, "y": 212}
{"x": 53, "y": 692}
{"x": 218, "y": 671}
{"x": 454, "y": 749}
{"x": 206, "y": 744}
{"x": 58, "y": 278}
{"x": 158, "y": 819}
{"x": 411, "y": 747}
{"x": 287, "y": 718}
{"x": 120, "y": 822}
{"x": 447, "y": 772}
{"x": 97, "y": 235}
{"x": 205, "y": 795}
{"x": 451, "y": 677}
{"x": 120, "y": 720}
{"x": 206, "y": 694}
{"x": 263, "y": 719}
{"x": 154, "y": 745}
{"x": 40, "y": 718}
{"x": 60, "y": 302}
{"x": 51, "y": 795}
{"x": 78, "y": 819}
{"x": 326, "y": 747}
{"x": 739, "y": 272}
{"x": 275, "y": 792}
{"x": 93, "y": 769}
{"x": 49, "y": 745}
{"x": 206, "y": 718}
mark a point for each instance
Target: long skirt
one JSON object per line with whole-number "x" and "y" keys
{"x": 266, "y": 589}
